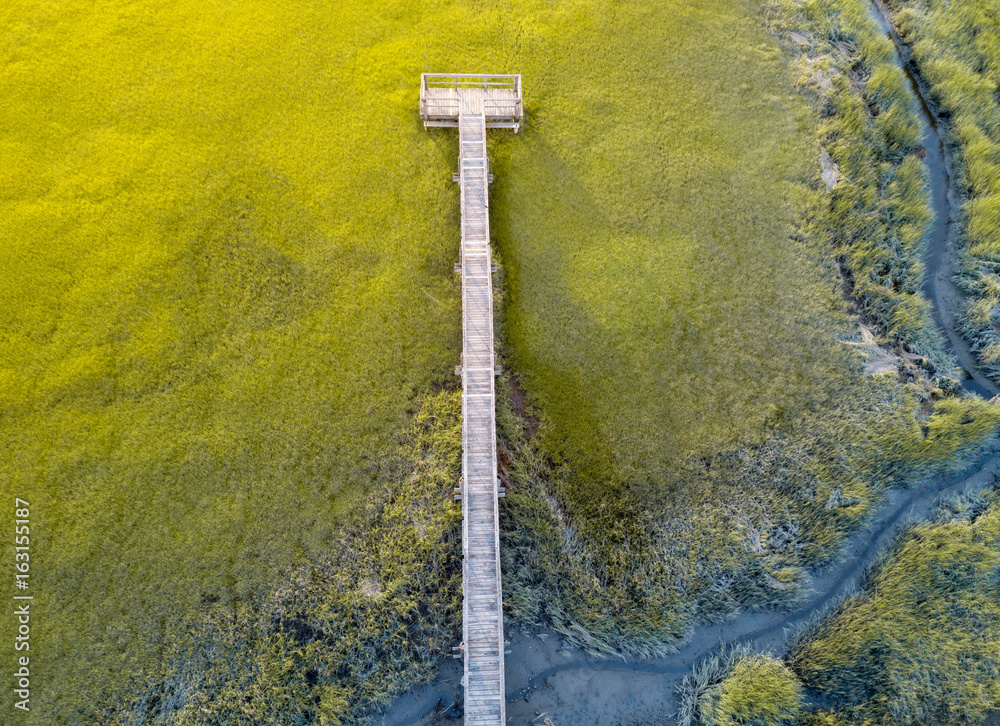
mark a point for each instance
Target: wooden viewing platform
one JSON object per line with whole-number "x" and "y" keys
{"x": 473, "y": 104}
{"x": 444, "y": 97}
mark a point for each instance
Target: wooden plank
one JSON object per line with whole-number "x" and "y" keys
{"x": 445, "y": 97}
{"x": 473, "y": 103}
{"x": 482, "y": 609}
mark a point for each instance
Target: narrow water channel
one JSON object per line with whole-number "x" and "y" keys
{"x": 545, "y": 679}
{"x": 939, "y": 262}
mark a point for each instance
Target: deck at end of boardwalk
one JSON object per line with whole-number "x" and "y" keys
{"x": 474, "y": 103}
{"x": 444, "y": 97}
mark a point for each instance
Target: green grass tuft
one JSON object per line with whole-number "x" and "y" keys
{"x": 919, "y": 645}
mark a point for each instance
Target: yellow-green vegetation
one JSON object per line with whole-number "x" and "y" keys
{"x": 740, "y": 686}
{"x": 759, "y": 691}
{"x": 228, "y": 245}
{"x": 780, "y": 508}
{"x": 956, "y": 46}
{"x": 920, "y": 645}
{"x": 879, "y": 212}
{"x": 341, "y": 635}
{"x": 698, "y": 449}
{"x": 221, "y": 294}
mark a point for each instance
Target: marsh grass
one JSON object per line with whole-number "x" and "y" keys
{"x": 879, "y": 213}
{"x": 341, "y": 636}
{"x": 737, "y": 685}
{"x": 626, "y": 561}
{"x": 705, "y": 675}
{"x": 742, "y": 536}
{"x": 918, "y": 645}
{"x": 956, "y": 47}
{"x": 915, "y": 644}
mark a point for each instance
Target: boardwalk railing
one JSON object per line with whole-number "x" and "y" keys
{"x": 482, "y": 608}
{"x": 440, "y": 108}
{"x": 477, "y": 105}
{"x": 503, "y": 108}
{"x": 470, "y": 80}
{"x": 445, "y": 96}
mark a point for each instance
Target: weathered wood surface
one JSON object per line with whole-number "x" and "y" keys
{"x": 444, "y": 97}
{"x": 482, "y": 609}
{"x": 474, "y": 103}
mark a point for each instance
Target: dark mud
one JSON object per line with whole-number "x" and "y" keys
{"x": 519, "y": 402}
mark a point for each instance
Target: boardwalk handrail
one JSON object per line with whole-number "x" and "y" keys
{"x": 440, "y": 107}
{"x": 446, "y": 96}
{"x": 486, "y": 81}
{"x": 495, "y": 107}
{"x": 492, "y": 108}
{"x": 482, "y": 587}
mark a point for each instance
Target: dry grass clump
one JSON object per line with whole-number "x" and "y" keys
{"x": 738, "y": 686}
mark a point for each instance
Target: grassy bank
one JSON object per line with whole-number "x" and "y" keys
{"x": 743, "y": 539}
{"x": 739, "y": 686}
{"x": 879, "y": 212}
{"x": 637, "y": 509}
{"x": 917, "y": 645}
{"x": 956, "y": 47}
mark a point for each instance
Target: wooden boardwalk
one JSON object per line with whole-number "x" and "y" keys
{"x": 482, "y": 597}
